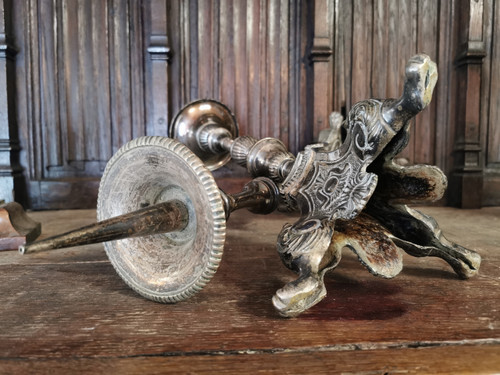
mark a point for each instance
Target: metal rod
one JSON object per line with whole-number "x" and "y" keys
{"x": 260, "y": 196}
{"x": 160, "y": 218}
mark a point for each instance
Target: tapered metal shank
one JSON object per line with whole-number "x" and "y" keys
{"x": 159, "y": 218}
{"x": 259, "y": 196}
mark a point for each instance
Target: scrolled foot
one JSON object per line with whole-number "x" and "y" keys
{"x": 420, "y": 236}
{"x": 469, "y": 268}
{"x": 298, "y": 296}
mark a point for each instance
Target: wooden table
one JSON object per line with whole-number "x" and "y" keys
{"x": 68, "y": 311}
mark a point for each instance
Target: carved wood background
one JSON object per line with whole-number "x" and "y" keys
{"x": 372, "y": 42}
{"x": 80, "y": 92}
{"x": 91, "y": 75}
{"x": 490, "y": 104}
{"x": 251, "y": 55}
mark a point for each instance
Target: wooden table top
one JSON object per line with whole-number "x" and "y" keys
{"x": 67, "y": 310}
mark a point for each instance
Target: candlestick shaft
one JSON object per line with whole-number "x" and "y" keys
{"x": 160, "y": 218}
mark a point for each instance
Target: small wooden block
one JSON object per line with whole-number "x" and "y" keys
{"x": 16, "y": 228}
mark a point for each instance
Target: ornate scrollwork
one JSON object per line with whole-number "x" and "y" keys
{"x": 349, "y": 194}
{"x": 338, "y": 183}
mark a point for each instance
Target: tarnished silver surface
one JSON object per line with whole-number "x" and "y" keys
{"x": 190, "y": 128}
{"x": 173, "y": 266}
{"x": 332, "y": 136}
{"x": 159, "y": 213}
{"x": 163, "y": 217}
{"x": 349, "y": 194}
{"x": 210, "y": 130}
{"x": 260, "y": 196}
{"x": 331, "y": 183}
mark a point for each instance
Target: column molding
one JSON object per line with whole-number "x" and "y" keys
{"x": 11, "y": 177}
{"x": 466, "y": 182}
{"x": 321, "y": 57}
{"x": 159, "y": 55}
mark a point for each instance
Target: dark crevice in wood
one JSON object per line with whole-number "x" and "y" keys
{"x": 366, "y": 346}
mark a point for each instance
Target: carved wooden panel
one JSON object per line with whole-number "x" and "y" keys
{"x": 372, "y": 42}
{"x": 10, "y": 170}
{"x": 80, "y": 91}
{"x": 490, "y": 104}
{"x": 248, "y": 54}
{"x": 491, "y": 88}
{"x": 93, "y": 74}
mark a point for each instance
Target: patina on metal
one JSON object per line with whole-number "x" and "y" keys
{"x": 199, "y": 125}
{"x": 332, "y": 188}
{"x": 162, "y": 218}
{"x": 332, "y": 137}
{"x": 267, "y": 157}
{"x": 349, "y": 193}
{"x": 331, "y": 184}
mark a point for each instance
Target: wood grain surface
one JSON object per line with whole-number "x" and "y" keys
{"x": 67, "y": 310}
{"x": 90, "y": 76}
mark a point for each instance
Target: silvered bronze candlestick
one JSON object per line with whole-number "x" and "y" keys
{"x": 163, "y": 216}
